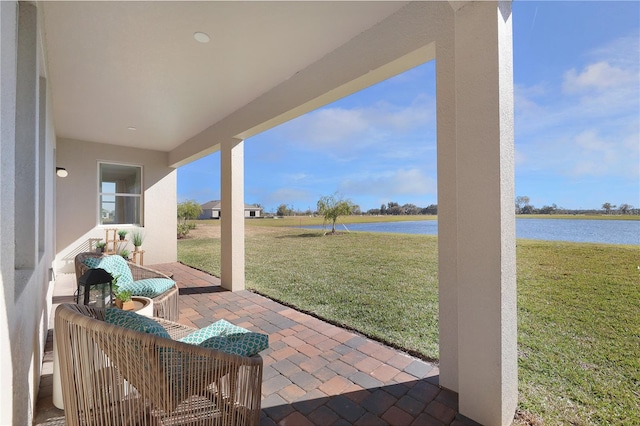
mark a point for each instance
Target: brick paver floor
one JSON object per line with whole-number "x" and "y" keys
{"x": 316, "y": 373}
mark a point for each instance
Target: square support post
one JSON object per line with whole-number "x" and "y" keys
{"x": 477, "y": 263}
{"x": 232, "y": 215}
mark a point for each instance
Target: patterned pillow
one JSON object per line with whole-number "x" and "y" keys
{"x": 115, "y": 265}
{"x": 149, "y": 287}
{"x": 136, "y": 322}
{"x": 226, "y": 337}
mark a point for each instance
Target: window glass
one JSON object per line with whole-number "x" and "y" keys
{"x": 120, "y": 194}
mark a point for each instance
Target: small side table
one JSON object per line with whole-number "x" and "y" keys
{"x": 144, "y": 305}
{"x": 138, "y": 257}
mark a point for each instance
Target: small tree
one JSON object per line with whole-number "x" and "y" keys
{"x": 521, "y": 201}
{"x": 528, "y": 209}
{"x": 187, "y": 210}
{"x": 283, "y": 210}
{"x": 607, "y": 207}
{"x": 331, "y": 207}
{"x": 624, "y": 208}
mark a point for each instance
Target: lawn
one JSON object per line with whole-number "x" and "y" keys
{"x": 578, "y": 304}
{"x": 289, "y": 221}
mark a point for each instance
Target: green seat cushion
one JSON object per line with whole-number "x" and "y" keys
{"x": 149, "y": 287}
{"x": 134, "y": 321}
{"x": 226, "y": 337}
{"x": 115, "y": 265}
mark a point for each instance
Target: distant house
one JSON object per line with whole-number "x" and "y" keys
{"x": 211, "y": 210}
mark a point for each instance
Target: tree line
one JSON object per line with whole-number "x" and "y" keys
{"x": 391, "y": 208}
{"x": 523, "y": 206}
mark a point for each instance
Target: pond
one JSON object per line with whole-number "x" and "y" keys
{"x": 572, "y": 230}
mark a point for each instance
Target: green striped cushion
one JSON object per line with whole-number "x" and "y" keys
{"x": 149, "y": 287}
{"x": 115, "y": 265}
{"x": 136, "y": 322}
{"x": 229, "y": 338}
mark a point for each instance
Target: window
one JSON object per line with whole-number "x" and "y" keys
{"x": 120, "y": 189}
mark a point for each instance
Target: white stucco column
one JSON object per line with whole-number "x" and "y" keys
{"x": 447, "y": 202}
{"x": 232, "y": 214}
{"x": 477, "y": 268}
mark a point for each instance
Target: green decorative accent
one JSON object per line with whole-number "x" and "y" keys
{"x": 115, "y": 265}
{"x": 226, "y": 337}
{"x": 150, "y": 287}
{"x": 137, "y": 236}
{"x": 136, "y": 322}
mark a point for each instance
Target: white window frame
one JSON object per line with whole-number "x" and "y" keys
{"x": 117, "y": 194}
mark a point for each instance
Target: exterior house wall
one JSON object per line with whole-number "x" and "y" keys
{"x": 209, "y": 214}
{"x": 256, "y": 212}
{"x": 77, "y": 223}
{"x": 214, "y": 213}
{"x": 27, "y": 238}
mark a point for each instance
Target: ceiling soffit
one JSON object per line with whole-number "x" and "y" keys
{"x": 116, "y": 65}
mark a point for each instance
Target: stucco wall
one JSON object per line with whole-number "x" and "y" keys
{"x": 209, "y": 214}
{"x": 27, "y": 175}
{"x": 77, "y": 200}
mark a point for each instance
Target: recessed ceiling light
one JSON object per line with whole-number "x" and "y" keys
{"x": 132, "y": 129}
{"x": 201, "y": 37}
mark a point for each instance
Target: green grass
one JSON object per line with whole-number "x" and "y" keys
{"x": 290, "y": 221}
{"x": 578, "y": 305}
{"x": 579, "y": 332}
{"x": 352, "y": 279}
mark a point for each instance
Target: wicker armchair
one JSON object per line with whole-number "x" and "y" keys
{"x": 117, "y": 376}
{"x": 164, "y": 306}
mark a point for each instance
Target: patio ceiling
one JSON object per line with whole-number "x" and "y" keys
{"x": 117, "y": 65}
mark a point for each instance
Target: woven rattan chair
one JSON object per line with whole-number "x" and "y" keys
{"x": 116, "y": 376}
{"x": 164, "y": 306}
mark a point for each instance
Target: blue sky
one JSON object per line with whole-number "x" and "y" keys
{"x": 577, "y": 125}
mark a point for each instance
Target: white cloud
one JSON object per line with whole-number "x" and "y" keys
{"x": 589, "y": 125}
{"x": 519, "y": 157}
{"x": 524, "y": 99}
{"x": 598, "y": 76}
{"x": 594, "y": 155}
{"x": 587, "y": 154}
{"x": 609, "y": 84}
{"x": 296, "y": 176}
{"x": 346, "y": 131}
{"x": 622, "y": 52}
{"x": 201, "y": 195}
{"x": 287, "y": 196}
{"x": 391, "y": 184}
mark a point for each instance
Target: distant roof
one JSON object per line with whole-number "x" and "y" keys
{"x": 215, "y": 204}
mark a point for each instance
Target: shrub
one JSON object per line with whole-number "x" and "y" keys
{"x": 137, "y": 236}
{"x": 183, "y": 230}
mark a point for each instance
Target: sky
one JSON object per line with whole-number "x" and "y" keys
{"x": 577, "y": 125}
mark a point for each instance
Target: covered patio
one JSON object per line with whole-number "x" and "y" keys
{"x": 315, "y": 373}
{"x": 121, "y": 94}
